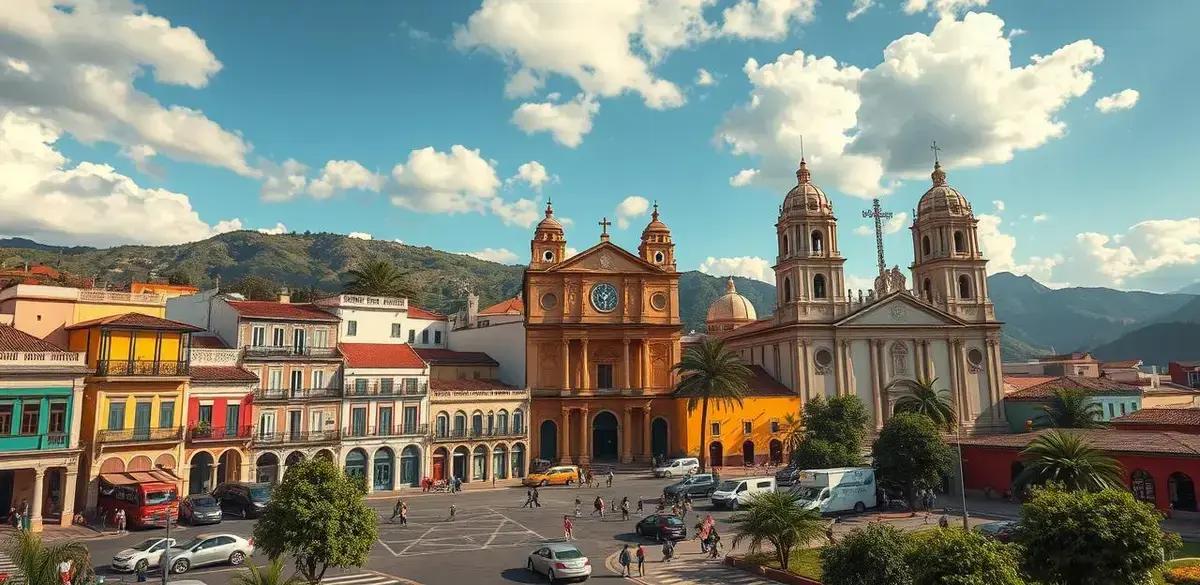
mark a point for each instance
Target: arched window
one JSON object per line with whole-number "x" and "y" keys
{"x": 477, "y": 423}
{"x": 784, "y": 245}
{"x": 787, "y": 290}
{"x": 442, "y": 426}
{"x": 819, "y": 286}
{"x": 960, "y": 244}
{"x": 818, "y": 241}
{"x": 926, "y": 249}
{"x": 518, "y": 425}
{"x": 502, "y": 422}
{"x": 927, "y": 287}
{"x": 1142, "y": 485}
{"x": 964, "y": 287}
{"x": 491, "y": 422}
{"x": 460, "y": 424}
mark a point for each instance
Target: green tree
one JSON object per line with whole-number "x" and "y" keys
{"x": 1091, "y": 538}
{"x": 710, "y": 372}
{"x": 911, "y": 453}
{"x": 815, "y": 453}
{"x": 37, "y": 562}
{"x": 268, "y": 574}
{"x": 378, "y": 278}
{"x": 922, "y": 397}
{"x": 318, "y": 516}
{"x": 254, "y": 288}
{"x": 872, "y": 555}
{"x": 834, "y": 432}
{"x": 1071, "y": 408}
{"x": 777, "y": 518}
{"x": 793, "y": 433}
{"x": 1066, "y": 458}
{"x": 953, "y": 556}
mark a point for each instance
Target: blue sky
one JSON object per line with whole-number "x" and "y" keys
{"x": 171, "y": 121}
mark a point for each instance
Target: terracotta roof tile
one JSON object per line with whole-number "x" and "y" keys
{"x": 762, "y": 384}
{"x": 137, "y": 321}
{"x": 469, "y": 384}
{"x": 1022, "y": 382}
{"x": 221, "y": 374}
{"x": 208, "y": 341}
{"x": 13, "y": 339}
{"x": 1189, "y": 417}
{"x": 1045, "y": 390}
{"x": 416, "y": 312}
{"x": 286, "y": 311}
{"x": 1188, "y": 364}
{"x": 1121, "y": 364}
{"x": 513, "y": 306}
{"x": 1111, "y": 440}
{"x": 449, "y": 357}
{"x": 380, "y": 355}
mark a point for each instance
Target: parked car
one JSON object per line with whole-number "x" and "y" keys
{"x": 677, "y": 467}
{"x": 559, "y": 560}
{"x": 199, "y": 509}
{"x": 700, "y": 485}
{"x": 1002, "y": 530}
{"x": 661, "y": 527}
{"x": 558, "y": 475}
{"x": 210, "y": 549}
{"x": 732, "y": 493}
{"x": 247, "y": 499}
{"x": 143, "y": 555}
{"x": 787, "y": 476}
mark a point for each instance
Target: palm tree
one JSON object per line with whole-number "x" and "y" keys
{"x": 1067, "y": 458}
{"x": 38, "y": 562}
{"x": 777, "y": 518}
{"x": 709, "y": 372}
{"x": 793, "y": 433}
{"x": 1072, "y": 408}
{"x": 920, "y": 396}
{"x": 269, "y": 574}
{"x": 378, "y": 278}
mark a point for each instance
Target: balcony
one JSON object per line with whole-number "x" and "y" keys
{"x": 380, "y": 390}
{"x": 42, "y": 359}
{"x": 473, "y": 434}
{"x": 366, "y": 302}
{"x": 211, "y": 434}
{"x": 396, "y": 431}
{"x": 141, "y": 368}
{"x": 296, "y": 438}
{"x": 140, "y": 435}
{"x": 288, "y": 352}
{"x": 36, "y": 442}
{"x": 286, "y": 394}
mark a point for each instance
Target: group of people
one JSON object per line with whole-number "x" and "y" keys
{"x": 452, "y": 484}
{"x": 532, "y": 500}
{"x": 627, "y": 558}
{"x": 118, "y": 519}
{"x": 588, "y": 477}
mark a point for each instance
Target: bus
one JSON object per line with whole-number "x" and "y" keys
{"x": 147, "y": 501}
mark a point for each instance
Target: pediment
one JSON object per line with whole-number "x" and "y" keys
{"x": 605, "y": 257}
{"x": 899, "y": 309}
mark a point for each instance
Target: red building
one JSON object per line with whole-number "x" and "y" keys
{"x": 1160, "y": 466}
{"x": 1185, "y": 373}
{"x": 1182, "y": 420}
{"x": 220, "y": 416}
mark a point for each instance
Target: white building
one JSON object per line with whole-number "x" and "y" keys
{"x": 367, "y": 319}
{"x": 498, "y": 330}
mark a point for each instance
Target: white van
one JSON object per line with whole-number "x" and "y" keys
{"x": 736, "y": 492}
{"x": 678, "y": 467}
{"x": 840, "y": 489}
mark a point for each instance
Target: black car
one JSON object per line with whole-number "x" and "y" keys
{"x": 243, "y": 498}
{"x": 1002, "y": 530}
{"x": 661, "y": 527}
{"x": 700, "y": 485}
{"x": 199, "y": 509}
{"x": 787, "y": 476}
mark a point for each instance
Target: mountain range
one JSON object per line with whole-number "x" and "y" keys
{"x": 1038, "y": 320}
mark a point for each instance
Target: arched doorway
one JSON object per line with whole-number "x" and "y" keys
{"x": 604, "y": 437}
{"x": 499, "y": 462}
{"x": 266, "y": 468}
{"x": 143, "y": 463}
{"x": 381, "y": 469}
{"x": 1182, "y": 492}
{"x": 548, "y": 441}
{"x": 200, "y": 477}
{"x": 479, "y": 463}
{"x": 459, "y": 463}
{"x": 441, "y": 462}
{"x": 356, "y": 464}
{"x": 293, "y": 458}
{"x": 658, "y": 437}
{"x": 229, "y": 466}
{"x": 325, "y": 454}
{"x": 1015, "y": 471}
{"x": 410, "y": 465}
{"x": 748, "y": 452}
{"x": 776, "y": 449}
{"x": 1141, "y": 483}
{"x": 518, "y": 460}
{"x": 716, "y": 454}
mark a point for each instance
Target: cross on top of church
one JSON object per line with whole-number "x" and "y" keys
{"x": 936, "y": 149}
{"x": 879, "y": 215}
{"x": 604, "y": 223}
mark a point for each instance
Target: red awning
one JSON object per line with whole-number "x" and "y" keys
{"x": 136, "y": 477}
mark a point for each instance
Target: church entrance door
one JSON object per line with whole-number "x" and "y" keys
{"x": 748, "y": 452}
{"x": 604, "y": 437}
{"x": 548, "y": 442}
{"x": 658, "y": 437}
{"x": 716, "y": 454}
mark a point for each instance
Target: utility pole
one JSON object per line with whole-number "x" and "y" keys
{"x": 877, "y": 213}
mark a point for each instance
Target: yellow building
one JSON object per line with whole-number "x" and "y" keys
{"x": 751, "y": 432}
{"x": 134, "y": 403}
{"x": 46, "y": 311}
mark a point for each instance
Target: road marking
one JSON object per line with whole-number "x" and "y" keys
{"x": 6, "y": 566}
{"x": 478, "y": 529}
{"x": 415, "y": 542}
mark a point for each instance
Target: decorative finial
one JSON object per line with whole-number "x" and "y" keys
{"x": 938, "y": 175}
{"x": 802, "y": 175}
{"x": 604, "y": 223}
{"x": 654, "y": 214}
{"x": 730, "y": 288}
{"x": 549, "y": 208}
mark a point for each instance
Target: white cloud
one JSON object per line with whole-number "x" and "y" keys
{"x": 520, "y": 213}
{"x": 283, "y": 182}
{"x": 629, "y": 208}
{"x": 80, "y": 60}
{"x": 942, "y": 8}
{"x": 279, "y": 229}
{"x": 1039, "y": 218}
{"x": 142, "y": 156}
{"x": 571, "y": 252}
{"x": 743, "y": 178}
{"x": 568, "y": 122}
{"x": 1149, "y": 254}
{"x": 1122, "y": 100}
{"x": 533, "y": 174}
{"x": 500, "y": 255}
{"x": 747, "y": 266}
{"x": 956, "y": 84}
{"x": 1016, "y": 32}
{"x": 43, "y": 198}
{"x": 998, "y": 204}
{"x": 704, "y": 78}
{"x": 360, "y": 236}
{"x": 999, "y": 247}
{"x": 893, "y": 224}
{"x": 523, "y": 83}
{"x": 857, "y": 283}
{"x": 765, "y": 19}
{"x": 343, "y": 175}
{"x": 445, "y": 182}
{"x": 858, "y": 8}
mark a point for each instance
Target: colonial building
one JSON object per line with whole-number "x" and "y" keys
{"x": 220, "y": 415}
{"x": 368, "y": 319}
{"x": 824, "y": 340}
{"x": 41, "y": 400}
{"x": 603, "y": 331}
{"x": 498, "y": 330}
{"x": 1025, "y": 408}
{"x": 45, "y": 311}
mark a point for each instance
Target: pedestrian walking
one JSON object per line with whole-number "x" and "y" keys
{"x": 140, "y": 569}
{"x": 641, "y": 559}
{"x": 578, "y": 503}
{"x": 537, "y": 498}
{"x": 121, "y": 521}
{"x": 598, "y": 507}
{"x": 829, "y": 532}
{"x": 640, "y": 508}
{"x": 625, "y": 508}
{"x": 453, "y": 511}
{"x": 568, "y": 528}
{"x": 668, "y": 550}
{"x": 528, "y": 499}
{"x": 930, "y": 499}
{"x": 944, "y": 521}
{"x": 624, "y": 559}
{"x": 610, "y": 477}
{"x": 687, "y": 507}
{"x": 458, "y": 484}
{"x": 404, "y": 514}
{"x": 714, "y": 544}
{"x": 396, "y": 509}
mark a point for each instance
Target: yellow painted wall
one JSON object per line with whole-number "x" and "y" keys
{"x": 758, "y": 410}
{"x": 89, "y": 311}
{"x": 144, "y": 343}
{"x": 131, "y": 393}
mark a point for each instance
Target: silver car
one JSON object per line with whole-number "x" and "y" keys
{"x": 143, "y": 555}
{"x": 560, "y": 560}
{"x": 210, "y": 549}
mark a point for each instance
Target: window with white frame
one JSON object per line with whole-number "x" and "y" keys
{"x": 258, "y": 336}
{"x": 397, "y": 330}
{"x": 277, "y": 337}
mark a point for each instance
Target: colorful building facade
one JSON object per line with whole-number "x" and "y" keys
{"x": 46, "y": 311}
{"x": 220, "y": 418}
{"x": 1025, "y": 407}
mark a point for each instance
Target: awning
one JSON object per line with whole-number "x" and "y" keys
{"x": 136, "y": 477}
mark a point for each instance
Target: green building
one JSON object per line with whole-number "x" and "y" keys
{"x": 1024, "y": 407}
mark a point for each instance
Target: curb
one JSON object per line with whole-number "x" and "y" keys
{"x": 614, "y": 567}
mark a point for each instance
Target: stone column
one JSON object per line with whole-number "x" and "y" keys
{"x": 564, "y": 446}
{"x": 35, "y": 514}
{"x": 928, "y": 360}
{"x": 627, "y": 430}
{"x": 645, "y": 363}
{"x": 245, "y": 472}
{"x": 806, "y": 376}
{"x": 963, "y": 373}
{"x": 997, "y": 376}
{"x": 214, "y": 480}
{"x": 584, "y": 382}
{"x": 585, "y": 441}
{"x": 876, "y": 390}
{"x": 955, "y": 391}
{"x": 625, "y": 347}
{"x": 646, "y": 418}
{"x": 566, "y": 364}
{"x": 70, "y": 478}
{"x": 369, "y": 471}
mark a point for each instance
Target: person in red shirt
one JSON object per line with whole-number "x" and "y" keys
{"x": 568, "y": 528}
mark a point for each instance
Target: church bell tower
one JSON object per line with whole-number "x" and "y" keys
{"x": 549, "y": 244}
{"x": 809, "y": 279}
{"x": 656, "y": 247}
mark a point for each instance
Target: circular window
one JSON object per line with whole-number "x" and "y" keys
{"x": 549, "y": 301}
{"x": 548, "y": 255}
{"x": 658, "y": 301}
{"x": 975, "y": 357}
{"x": 823, "y": 358}
{"x": 659, "y": 257}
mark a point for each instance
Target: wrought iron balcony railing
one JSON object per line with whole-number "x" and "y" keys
{"x": 289, "y": 351}
{"x": 296, "y": 437}
{"x": 494, "y": 433}
{"x": 140, "y": 435}
{"x": 269, "y": 394}
{"x": 219, "y": 433}
{"x": 141, "y": 368}
{"x": 395, "y": 431}
{"x": 385, "y": 390}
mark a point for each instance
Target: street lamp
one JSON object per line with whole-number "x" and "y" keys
{"x": 962, "y": 478}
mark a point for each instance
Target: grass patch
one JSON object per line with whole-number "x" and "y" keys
{"x": 805, "y": 562}
{"x": 1190, "y": 549}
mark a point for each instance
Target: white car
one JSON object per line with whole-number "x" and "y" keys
{"x": 144, "y": 555}
{"x": 559, "y": 560}
{"x": 678, "y": 467}
{"x": 210, "y": 549}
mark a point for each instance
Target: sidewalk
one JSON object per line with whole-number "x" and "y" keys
{"x": 689, "y": 567}
{"x": 54, "y": 532}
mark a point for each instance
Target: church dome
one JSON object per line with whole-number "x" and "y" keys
{"x": 806, "y": 198}
{"x": 730, "y": 310}
{"x": 549, "y": 224}
{"x": 941, "y": 198}
{"x": 656, "y": 226}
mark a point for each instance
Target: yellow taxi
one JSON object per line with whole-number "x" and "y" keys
{"x": 557, "y": 475}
